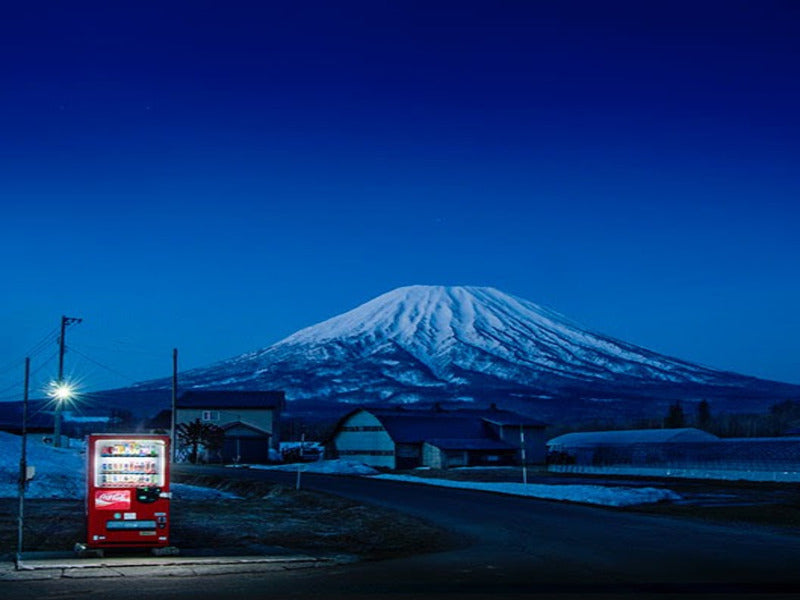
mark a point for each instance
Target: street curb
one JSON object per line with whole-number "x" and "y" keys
{"x": 158, "y": 566}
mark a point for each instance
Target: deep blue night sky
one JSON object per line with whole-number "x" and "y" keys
{"x": 214, "y": 176}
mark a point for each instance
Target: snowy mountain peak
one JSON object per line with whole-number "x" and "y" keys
{"x": 432, "y": 312}
{"x": 448, "y": 328}
{"x": 437, "y": 343}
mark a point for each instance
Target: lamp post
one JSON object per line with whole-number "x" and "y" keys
{"x": 62, "y": 391}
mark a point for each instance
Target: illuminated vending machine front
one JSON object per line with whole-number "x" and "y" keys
{"x": 127, "y": 495}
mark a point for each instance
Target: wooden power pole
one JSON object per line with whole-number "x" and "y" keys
{"x": 173, "y": 414}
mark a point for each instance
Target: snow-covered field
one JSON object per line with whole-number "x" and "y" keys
{"x": 61, "y": 472}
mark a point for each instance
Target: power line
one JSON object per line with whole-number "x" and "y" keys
{"x": 101, "y": 365}
{"x": 36, "y": 349}
{"x": 118, "y": 346}
{"x": 34, "y": 372}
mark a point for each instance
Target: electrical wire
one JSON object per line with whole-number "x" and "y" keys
{"x": 36, "y": 349}
{"x": 31, "y": 374}
{"x": 101, "y": 365}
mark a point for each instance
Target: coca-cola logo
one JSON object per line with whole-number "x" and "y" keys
{"x": 112, "y": 500}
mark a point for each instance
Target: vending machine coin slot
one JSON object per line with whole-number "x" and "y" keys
{"x": 148, "y": 495}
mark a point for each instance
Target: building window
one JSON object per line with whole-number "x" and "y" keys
{"x": 366, "y": 453}
{"x": 210, "y": 415}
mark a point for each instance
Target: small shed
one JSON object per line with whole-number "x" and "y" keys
{"x": 244, "y": 443}
{"x": 447, "y": 453}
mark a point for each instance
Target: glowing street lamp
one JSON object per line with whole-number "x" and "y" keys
{"x": 62, "y": 392}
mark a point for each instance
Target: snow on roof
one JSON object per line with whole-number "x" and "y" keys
{"x": 214, "y": 399}
{"x": 760, "y": 440}
{"x": 234, "y": 425}
{"x": 632, "y": 436}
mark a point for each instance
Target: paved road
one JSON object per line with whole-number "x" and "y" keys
{"x": 514, "y": 546}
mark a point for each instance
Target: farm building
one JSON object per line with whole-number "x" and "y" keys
{"x": 685, "y": 448}
{"x": 250, "y": 420}
{"x": 632, "y": 446}
{"x": 442, "y": 454}
{"x": 407, "y": 438}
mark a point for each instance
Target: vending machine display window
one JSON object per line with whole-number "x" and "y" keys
{"x": 128, "y": 463}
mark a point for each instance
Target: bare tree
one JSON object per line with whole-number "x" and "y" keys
{"x": 197, "y": 434}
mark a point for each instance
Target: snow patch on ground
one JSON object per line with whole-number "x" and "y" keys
{"x": 585, "y": 494}
{"x": 60, "y": 472}
{"x": 325, "y": 467}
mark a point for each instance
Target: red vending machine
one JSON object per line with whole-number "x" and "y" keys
{"x": 127, "y": 493}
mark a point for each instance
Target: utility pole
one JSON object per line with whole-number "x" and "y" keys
{"x": 300, "y": 464}
{"x": 522, "y": 455}
{"x": 174, "y": 401}
{"x": 65, "y": 322}
{"x": 23, "y": 465}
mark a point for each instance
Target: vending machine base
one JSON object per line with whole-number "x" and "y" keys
{"x": 82, "y": 550}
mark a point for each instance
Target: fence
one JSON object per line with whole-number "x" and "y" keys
{"x": 756, "y": 459}
{"x": 730, "y": 471}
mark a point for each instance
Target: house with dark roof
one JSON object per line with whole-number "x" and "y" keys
{"x": 250, "y": 420}
{"x": 397, "y": 438}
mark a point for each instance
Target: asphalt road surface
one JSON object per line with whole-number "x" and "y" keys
{"x": 512, "y": 547}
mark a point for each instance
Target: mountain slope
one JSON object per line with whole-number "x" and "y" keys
{"x": 433, "y": 343}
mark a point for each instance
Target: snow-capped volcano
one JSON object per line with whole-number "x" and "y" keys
{"x": 434, "y": 343}
{"x": 482, "y": 329}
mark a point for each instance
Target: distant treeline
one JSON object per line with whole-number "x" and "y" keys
{"x": 781, "y": 419}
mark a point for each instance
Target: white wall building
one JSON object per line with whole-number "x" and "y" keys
{"x": 407, "y": 438}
